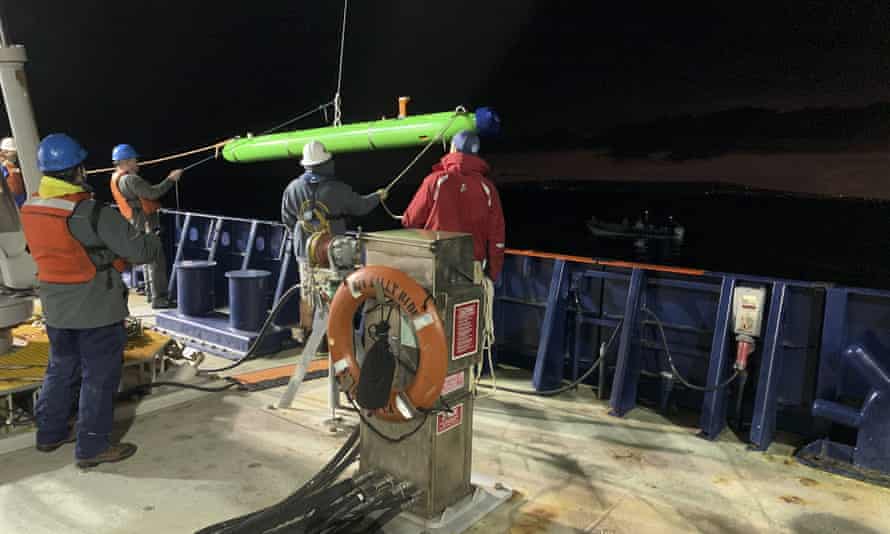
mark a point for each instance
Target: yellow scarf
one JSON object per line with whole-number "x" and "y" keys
{"x": 53, "y": 187}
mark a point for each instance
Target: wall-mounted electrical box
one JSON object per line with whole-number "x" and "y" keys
{"x": 748, "y": 304}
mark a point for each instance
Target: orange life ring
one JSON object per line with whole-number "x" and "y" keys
{"x": 414, "y": 302}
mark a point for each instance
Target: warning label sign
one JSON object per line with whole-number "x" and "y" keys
{"x": 446, "y": 421}
{"x": 465, "y": 329}
{"x": 453, "y": 383}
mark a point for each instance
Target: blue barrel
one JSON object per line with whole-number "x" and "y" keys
{"x": 248, "y": 292}
{"x": 194, "y": 287}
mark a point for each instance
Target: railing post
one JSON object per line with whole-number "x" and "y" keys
{"x": 763, "y": 426}
{"x": 180, "y": 246}
{"x": 627, "y": 370}
{"x": 713, "y": 414}
{"x": 549, "y": 362}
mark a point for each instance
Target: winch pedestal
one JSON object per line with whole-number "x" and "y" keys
{"x": 433, "y": 450}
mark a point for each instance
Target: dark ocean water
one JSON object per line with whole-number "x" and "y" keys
{"x": 844, "y": 241}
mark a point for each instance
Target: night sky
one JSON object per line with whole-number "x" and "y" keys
{"x": 629, "y": 79}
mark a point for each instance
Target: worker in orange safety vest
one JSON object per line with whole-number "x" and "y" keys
{"x": 139, "y": 202}
{"x": 79, "y": 247}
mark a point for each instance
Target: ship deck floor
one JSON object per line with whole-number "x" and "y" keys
{"x": 205, "y": 457}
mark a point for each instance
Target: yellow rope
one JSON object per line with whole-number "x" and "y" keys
{"x": 215, "y": 147}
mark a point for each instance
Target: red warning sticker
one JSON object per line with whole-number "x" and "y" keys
{"x": 453, "y": 383}
{"x": 446, "y": 421}
{"x": 465, "y": 329}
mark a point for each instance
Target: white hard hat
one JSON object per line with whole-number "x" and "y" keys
{"x": 8, "y": 143}
{"x": 314, "y": 153}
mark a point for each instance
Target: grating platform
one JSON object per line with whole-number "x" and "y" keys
{"x": 23, "y": 368}
{"x": 213, "y": 334}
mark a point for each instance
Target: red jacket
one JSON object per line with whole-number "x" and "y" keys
{"x": 457, "y": 197}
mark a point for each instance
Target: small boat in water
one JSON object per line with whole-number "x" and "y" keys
{"x": 641, "y": 229}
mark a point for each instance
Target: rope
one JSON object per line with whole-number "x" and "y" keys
{"x": 387, "y": 210}
{"x": 337, "y": 100}
{"x": 215, "y": 147}
{"x": 487, "y": 333}
{"x": 457, "y": 111}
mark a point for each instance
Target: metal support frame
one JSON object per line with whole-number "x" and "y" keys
{"x": 215, "y": 234}
{"x": 627, "y": 371}
{"x": 248, "y": 252}
{"x": 549, "y": 362}
{"x": 319, "y": 331}
{"x": 763, "y": 426}
{"x": 834, "y": 333}
{"x": 713, "y": 414}
{"x": 17, "y": 99}
{"x": 180, "y": 248}
{"x": 286, "y": 261}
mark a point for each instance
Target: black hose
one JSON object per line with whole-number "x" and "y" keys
{"x": 571, "y": 385}
{"x": 276, "y": 516}
{"x": 264, "y": 331}
{"x": 740, "y": 397}
{"x": 346, "y": 455}
{"x": 676, "y": 373}
{"x": 146, "y": 388}
{"x": 211, "y": 389}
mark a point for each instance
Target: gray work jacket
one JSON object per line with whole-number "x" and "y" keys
{"x": 339, "y": 199}
{"x": 133, "y": 187}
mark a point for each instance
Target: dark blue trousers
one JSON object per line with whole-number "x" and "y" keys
{"x": 94, "y": 357}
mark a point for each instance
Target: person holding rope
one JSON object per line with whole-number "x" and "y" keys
{"x": 79, "y": 247}
{"x": 139, "y": 203}
{"x": 458, "y": 197}
{"x": 318, "y": 201}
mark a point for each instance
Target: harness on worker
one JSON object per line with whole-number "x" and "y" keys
{"x": 315, "y": 217}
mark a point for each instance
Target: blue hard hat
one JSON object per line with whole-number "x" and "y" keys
{"x": 466, "y": 141}
{"x": 122, "y": 152}
{"x": 58, "y": 152}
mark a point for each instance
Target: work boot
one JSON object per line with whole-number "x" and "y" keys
{"x": 114, "y": 453}
{"x": 50, "y": 447}
{"x": 161, "y": 303}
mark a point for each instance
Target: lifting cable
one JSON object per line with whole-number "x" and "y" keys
{"x": 338, "y": 112}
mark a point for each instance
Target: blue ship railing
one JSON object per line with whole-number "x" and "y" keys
{"x": 553, "y": 312}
